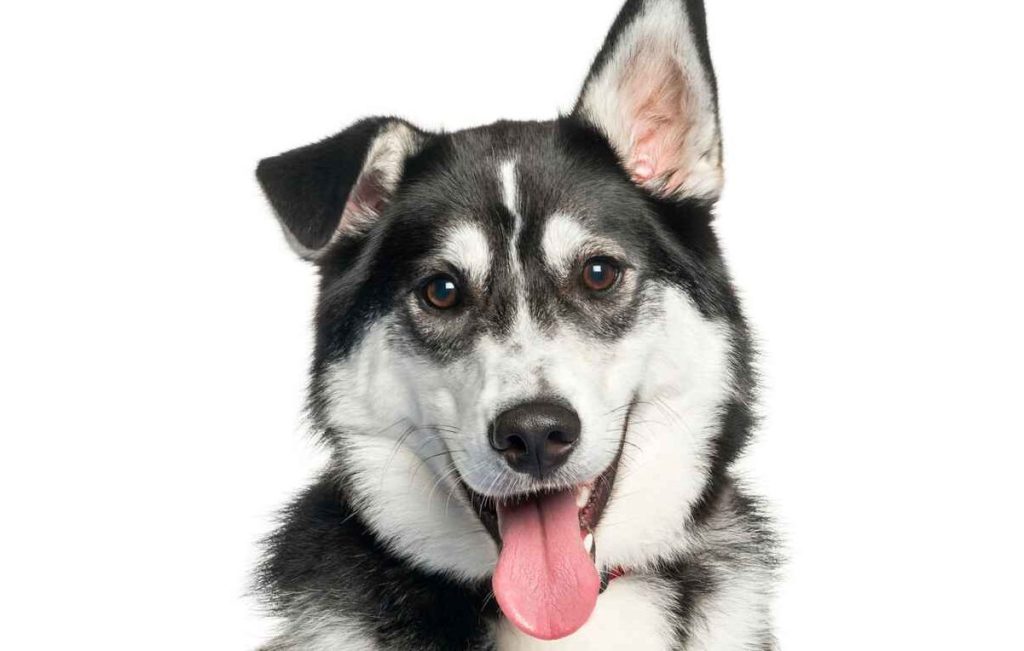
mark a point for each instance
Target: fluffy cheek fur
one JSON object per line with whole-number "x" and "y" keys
{"x": 411, "y": 429}
{"x": 394, "y": 417}
{"x": 686, "y": 381}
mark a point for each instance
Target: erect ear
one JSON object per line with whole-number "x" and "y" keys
{"x": 338, "y": 186}
{"x": 652, "y": 92}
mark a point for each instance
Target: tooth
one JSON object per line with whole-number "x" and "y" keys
{"x": 583, "y": 497}
{"x": 588, "y": 542}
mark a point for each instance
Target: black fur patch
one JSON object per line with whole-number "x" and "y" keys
{"x": 325, "y": 549}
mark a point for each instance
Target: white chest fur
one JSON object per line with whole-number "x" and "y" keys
{"x": 631, "y": 614}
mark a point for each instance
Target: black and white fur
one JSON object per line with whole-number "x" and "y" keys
{"x": 385, "y": 551}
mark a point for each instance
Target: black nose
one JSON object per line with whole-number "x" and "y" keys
{"x": 535, "y": 437}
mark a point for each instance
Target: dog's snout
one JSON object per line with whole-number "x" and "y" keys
{"x": 535, "y": 437}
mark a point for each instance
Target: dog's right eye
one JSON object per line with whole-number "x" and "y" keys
{"x": 441, "y": 292}
{"x": 599, "y": 274}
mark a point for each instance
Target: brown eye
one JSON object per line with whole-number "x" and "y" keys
{"x": 441, "y": 292}
{"x": 599, "y": 274}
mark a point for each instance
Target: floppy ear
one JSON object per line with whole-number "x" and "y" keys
{"x": 338, "y": 186}
{"x": 652, "y": 92}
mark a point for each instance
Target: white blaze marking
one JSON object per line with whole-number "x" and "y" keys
{"x": 524, "y": 330}
{"x": 509, "y": 191}
{"x": 510, "y": 196}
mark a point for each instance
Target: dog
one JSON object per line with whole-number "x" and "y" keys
{"x": 533, "y": 374}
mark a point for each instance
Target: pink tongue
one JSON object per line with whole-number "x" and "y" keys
{"x": 545, "y": 582}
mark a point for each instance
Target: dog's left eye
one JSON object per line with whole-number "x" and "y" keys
{"x": 441, "y": 292}
{"x": 599, "y": 274}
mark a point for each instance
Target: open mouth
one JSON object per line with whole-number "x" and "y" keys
{"x": 546, "y": 581}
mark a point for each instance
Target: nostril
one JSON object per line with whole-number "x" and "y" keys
{"x": 554, "y": 450}
{"x": 561, "y": 438}
{"x": 515, "y": 444}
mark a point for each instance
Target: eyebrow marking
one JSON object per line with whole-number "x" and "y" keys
{"x": 466, "y": 247}
{"x": 563, "y": 241}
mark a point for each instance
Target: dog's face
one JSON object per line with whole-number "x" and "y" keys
{"x": 529, "y": 313}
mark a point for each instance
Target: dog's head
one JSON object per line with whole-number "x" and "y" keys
{"x": 528, "y": 326}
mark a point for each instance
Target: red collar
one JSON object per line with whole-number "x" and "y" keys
{"x": 608, "y": 576}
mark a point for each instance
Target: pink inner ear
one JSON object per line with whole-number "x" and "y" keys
{"x": 365, "y": 201}
{"x": 657, "y": 110}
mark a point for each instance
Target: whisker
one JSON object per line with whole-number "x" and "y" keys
{"x": 440, "y": 479}
{"x": 394, "y": 451}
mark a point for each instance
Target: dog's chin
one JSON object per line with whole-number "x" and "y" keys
{"x": 546, "y": 580}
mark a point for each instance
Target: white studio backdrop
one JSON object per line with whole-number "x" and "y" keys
{"x": 155, "y": 328}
